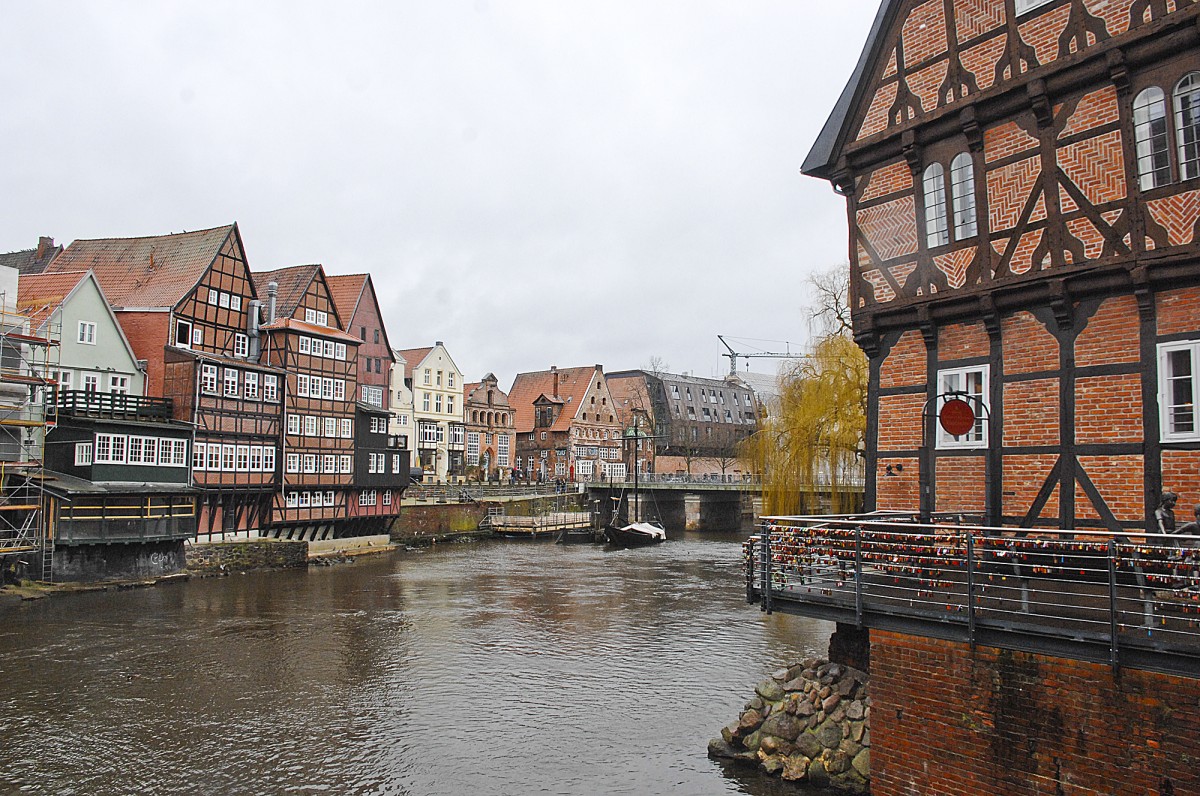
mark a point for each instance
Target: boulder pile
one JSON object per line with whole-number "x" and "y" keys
{"x": 808, "y": 723}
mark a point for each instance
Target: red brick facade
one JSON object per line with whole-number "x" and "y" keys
{"x": 984, "y": 721}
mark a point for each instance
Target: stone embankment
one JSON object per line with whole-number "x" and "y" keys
{"x": 808, "y": 723}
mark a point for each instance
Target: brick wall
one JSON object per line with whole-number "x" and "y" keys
{"x": 1108, "y": 409}
{"x": 1111, "y": 334}
{"x": 949, "y": 719}
{"x": 899, "y": 422}
{"x": 1177, "y": 311}
{"x": 1028, "y": 347}
{"x": 148, "y": 333}
{"x": 961, "y": 485}
{"x": 963, "y": 341}
{"x": 1024, "y": 476}
{"x": 1118, "y": 479}
{"x": 904, "y": 365}
{"x": 898, "y": 490}
{"x": 1031, "y": 413}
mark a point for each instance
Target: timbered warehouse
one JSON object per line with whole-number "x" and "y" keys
{"x": 1022, "y": 180}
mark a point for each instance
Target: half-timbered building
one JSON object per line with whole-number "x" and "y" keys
{"x": 187, "y": 306}
{"x": 303, "y": 336}
{"x": 1022, "y": 181}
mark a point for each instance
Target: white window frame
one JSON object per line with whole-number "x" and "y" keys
{"x": 1025, "y": 6}
{"x": 208, "y": 379}
{"x": 83, "y": 454}
{"x": 241, "y": 345}
{"x": 977, "y": 437}
{"x": 270, "y": 388}
{"x": 87, "y": 332}
{"x": 251, "y": 389}
{"x": 199, "y": 456}
{"x": 1165, "y": 409}
{"x": 305, "y": 345}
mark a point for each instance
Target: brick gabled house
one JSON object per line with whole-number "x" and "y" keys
{"x": 566, "y": 425}
{"x": 188, "y": 308}
{"x": 1022, "y": 180}
{"x": 490, "y": 423}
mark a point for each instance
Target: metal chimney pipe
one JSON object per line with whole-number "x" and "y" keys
{"x": 272, "y": 292}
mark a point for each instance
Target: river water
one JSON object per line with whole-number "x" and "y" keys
{"x": 479, "y": 669}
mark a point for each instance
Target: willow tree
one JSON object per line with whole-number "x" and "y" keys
{"x": 812, "y": 442}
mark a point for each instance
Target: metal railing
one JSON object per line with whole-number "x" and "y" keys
{"x": 1121, "y": 597}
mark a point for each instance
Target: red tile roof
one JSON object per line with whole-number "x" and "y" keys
{"x": 414, "y": 356}
{"x": 39, "y": 295}
{"x": 528, "y": 387}
{"x": 157, "y": 271}
{"x": 294, "y": 325}
{"x": 346, "y": 291}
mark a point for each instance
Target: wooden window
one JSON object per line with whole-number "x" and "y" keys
{"x": 270, "y": 388}
{"x": 330, "y": 426}
{"x": 268, "y": 458}
{"x": 339, "y": 351}
{"x": 302, "y": 385}
{"x": 256, "y": 458}
{"x": 293, "y": 424}
{"x": 318, "y": 499}
{"x": 87, "y": 332}
{"x": 235, "y": 302}
{"x": 233, "y": 380}
{"x": 293, "y": 462}
{"x": 962, "y": 194}
{"x": 133, "y": 453}
{"x": 243, "y": 458}
{"x": 224, "y": 299}
{"x": 178, "y": 451}
{"x": 118, "y": 385}
{"x": 346, "y": 463}
{"x": 183, "y": 334}
{"x": 252, "y": 385}
{"x": 310, "y": 426}
{"x": 310, "y": 462}
{"x": 228, "y": 458}
{"x": 310, "y": 316}
{"x": 199, "y": 452}
{"x": 214, "y": 456}
{"x": 292, "y": 500}
{"x": 212, "y": 296}
{"x": 1187, "y": 125}
{"x": 1177, "y": 388}
{"x": 387, "y": 497}
{"x": 339, "y": 390}
{"x": 1150, "y": 132}
{"x": 329, "y": 501}
{"x": 305, "y": 345}
{"x": 305, "y": 500}
{"x": 971, "y": 385}
{"x": 936, "y": 233}
{"x": 208, "y": 379}
{"x": 327, "y": 388}
{"x": 329, "y": 463}
{"x": 347, "y": 427}
{"x": 241, "y": 345}
{"x": 329, "y": 350}
{"x": 437, "y": 402}
{"x": 83, "y": 454}
{"x": 197, "y": 335}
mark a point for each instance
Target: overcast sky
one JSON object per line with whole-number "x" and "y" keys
{"x": 533, "y": 183}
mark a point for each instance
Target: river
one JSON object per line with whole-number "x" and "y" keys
{"x": 482, "y": 668}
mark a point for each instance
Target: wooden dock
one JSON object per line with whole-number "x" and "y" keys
{"x": 541, "y": 526}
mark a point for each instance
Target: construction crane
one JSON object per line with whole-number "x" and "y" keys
{"x": 733, "y": 355}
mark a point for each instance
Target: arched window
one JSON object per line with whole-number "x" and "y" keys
{"x": 962, "y": 192}
{"x": 1187, "y": 125}
{"x": 1150, "y": 132}
{"x": 935, "y": 206}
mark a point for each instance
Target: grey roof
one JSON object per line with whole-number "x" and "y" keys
{"x": 27, "y": 261}
{"x": 822, "y": 158}
{"x": 63, "y": 484}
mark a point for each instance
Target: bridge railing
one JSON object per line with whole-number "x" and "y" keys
{"x": 1124, "y": 593}
{"x": 649, "y": 479}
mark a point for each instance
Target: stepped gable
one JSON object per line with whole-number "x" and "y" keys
{"x": 153, "y": 272}
{"x": 39, "y": 295}
{"x": 528, "y": 387}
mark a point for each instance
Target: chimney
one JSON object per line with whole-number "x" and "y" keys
{"x": 45, "y": 244}
{"x": 252, "y": 321}
{"x": 554, "y": 373}
{"x": 272, "y": 292}
{"x": 438, "y": 344}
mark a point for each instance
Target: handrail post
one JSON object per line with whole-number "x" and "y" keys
{"x": 1112, "y": 602}
{"x": 765, "y": 602}
{"x": 971, "y": 587}
{"x": 858, "y": 577}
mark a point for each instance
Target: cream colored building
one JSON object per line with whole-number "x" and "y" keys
{"x": 401, "y": 404}
{"x": 439, "y": 435}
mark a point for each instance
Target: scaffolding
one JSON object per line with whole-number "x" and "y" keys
{"x": 29, "y": 359}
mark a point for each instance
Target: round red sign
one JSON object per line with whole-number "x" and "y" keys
{"x": 957, "y": 417}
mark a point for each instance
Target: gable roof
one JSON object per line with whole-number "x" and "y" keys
{"x": 414, "y": 356}
{"x": 157, "y": 271}
{"x": 28, "y": 261}
{"x": 39, "y": 295}
{"x": 527, "y": 388}
{"x": 822, "y": 158}
{"x": 348, "y": 291}
{"x": 293, "y": 283}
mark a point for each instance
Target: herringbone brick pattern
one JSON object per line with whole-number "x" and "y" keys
{"x": 1008, "y": 190}
{"x": 976, "y": 17}
{"x": 924, "y": 33}
{"x": 1005, "y": 140}
{"x": 1022, "y": 259}
{"x": 925, "y": 84}
{"x": 890, "y": 228}
{"x": 954, "y": 265}
{"x": 1086, "y": 233}
{"x": 891, "y": 67}
{"x": 1178, "y": 214}
{"x": 1043, "y": 31}
{"x": 1096, "y": 166}
{"x": 1115, "y": 14}
{"x": 1095, "y": 109}
{"x": 902, "y": 271}
{"x": 882, "y": 291}
{"x": 981, "y": 60}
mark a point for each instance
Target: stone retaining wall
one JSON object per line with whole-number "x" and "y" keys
{"x": 424, "y": 523}
{"x": 245, "y": 556}
{"x": 807, "y": 723}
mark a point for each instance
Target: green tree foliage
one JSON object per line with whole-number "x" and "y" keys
{"x": 815, "y": 436}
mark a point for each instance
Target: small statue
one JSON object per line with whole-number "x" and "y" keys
{"x": 1191, "y": 528}
{"x": 1166, "y": 512}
